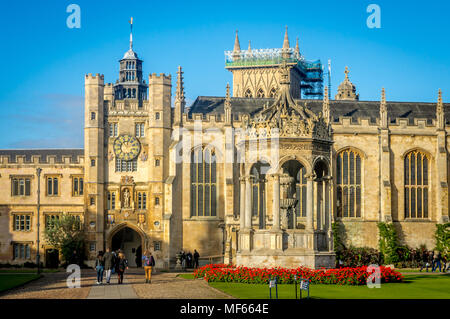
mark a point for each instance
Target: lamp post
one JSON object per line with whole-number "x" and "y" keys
{"x": 38, "y": 172}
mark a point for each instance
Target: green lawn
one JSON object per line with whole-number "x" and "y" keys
{"x": 186, "y": 276}
{"x": 13, "y": 280}
{"x": 414, "y": 287}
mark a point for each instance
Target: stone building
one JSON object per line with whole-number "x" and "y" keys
{"x": 254, "y": 178}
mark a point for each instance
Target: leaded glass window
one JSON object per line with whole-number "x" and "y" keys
{"x": 203, "y": 182}
{"x": 416, "y": 168}
{"x": 348, "y": 179}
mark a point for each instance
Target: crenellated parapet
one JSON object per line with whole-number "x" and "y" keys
{"x": 37, "y": 159}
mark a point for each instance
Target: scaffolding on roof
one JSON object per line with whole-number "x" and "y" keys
{"x": 312, "y": 82}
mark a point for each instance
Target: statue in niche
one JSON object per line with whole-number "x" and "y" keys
{"x": 126, "y": 198}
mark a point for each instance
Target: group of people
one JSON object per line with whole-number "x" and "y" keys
{"x": 115, "y": 262}
{"x": 110, "y": 262}
{"x": 434, "y": 260}
{"x": 188, "y": 260}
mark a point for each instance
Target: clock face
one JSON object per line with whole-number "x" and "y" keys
{"x": 126, "y": 147}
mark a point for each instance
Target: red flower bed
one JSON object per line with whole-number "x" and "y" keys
{"x": 341, "y": 276}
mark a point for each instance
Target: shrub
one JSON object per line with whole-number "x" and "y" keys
{"x": 442, "y": 237}
{"x": 388, "y": 243}
{"x": 357, "y": 257}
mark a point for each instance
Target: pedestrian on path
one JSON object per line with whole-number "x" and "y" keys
{"x": 149, "y": 263}
{"x": 99, "y": 267}
{"x": 109, "y": 264}
{"x": 189, "y": 259}
{"x": 183, "y": 260}
{"x": 425, "y": 262}
{"x": 196, "y": 257}
{"x": 122, "y": 264}
{"x": 437, "y": 261}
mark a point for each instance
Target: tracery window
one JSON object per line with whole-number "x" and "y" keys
{"x": 348, "y": 168}
{"x": 203, "y": 182}
{"x": 248, "y": 93}
{"x": 416, "y": 168}
{"x": 273, "y": 92}
{"x": 260, "y": 93}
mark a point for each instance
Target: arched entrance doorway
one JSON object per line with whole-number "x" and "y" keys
{"x": 129, "y": 242}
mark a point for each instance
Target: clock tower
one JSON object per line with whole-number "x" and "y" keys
{"x": 128, "y": 137}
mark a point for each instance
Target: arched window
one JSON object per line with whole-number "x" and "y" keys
{"x": 348, "y": 171}
{"x": 248, "y": 93}
{"x": 203, "y": 182}
{"x": 416, "y": 184}
{"x": 273, "y": 92}
{"x": 260, "y": 93}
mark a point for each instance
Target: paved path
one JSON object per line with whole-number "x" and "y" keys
{"x": 52, "y": 286}
{"x": 169, "y": 286}
{"x": 112, "y": 290}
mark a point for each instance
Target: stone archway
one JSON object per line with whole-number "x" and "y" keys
{"x": 130, "y": 241}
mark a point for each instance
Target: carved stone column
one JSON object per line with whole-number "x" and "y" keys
{"x": 242, "y": 203}
{"x": 276, "y": 202}
{"x": 248, "y": 201}
{"x": 310, "y": 203}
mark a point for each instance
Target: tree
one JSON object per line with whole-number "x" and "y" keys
{"x": 66, "y": 234}
{"x": 442, "y": 237}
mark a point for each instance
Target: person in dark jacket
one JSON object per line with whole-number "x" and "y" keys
{"x": 424, "y": 260}
{"x": 74, "y": 258}
{"x": 99, "y": 267}
{"x": 121, "y": 265}
{"x": 196, "y": 257}
{"x": 189, "y": 259}
{"x": 437, "y": 261}
{"x": 109, "y": 264}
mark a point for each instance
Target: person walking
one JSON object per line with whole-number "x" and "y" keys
{"x": 189, "y": 259}
{"x": 121, "y": 265}
{"x": 148, "y": 262}
{"x": 109, "y": 264}
{"x": 196, "y": 257}
{"x": 425, "y": 263}
{"x": 99, "y": 267}
{"x": 437, "y": 261}
{"x": 183, "y": 260}
{"x": 74, "y": 258}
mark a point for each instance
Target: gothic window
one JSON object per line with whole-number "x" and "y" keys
{"x": 142, "y": 200}
{"x": 92, "y": 115}
{"x": 77, "y": 186}
{"x": 348, "y": 169}
{"x": 126, "y": 166}
{"x": 203, "y": 182}
{"x": 111, "y": 200}
{"x": 140, "y": 129}
{"x": 300, "y": 187}
{"x": 260, "y": 93}
{"x": 273, "y": 92}
{"x": 113, "y": 129}
{"x": 416, "y": 168}
{"x": 20, "y": 186}
{"x": 248, "y": 93}
{"x": 52, "y": 186}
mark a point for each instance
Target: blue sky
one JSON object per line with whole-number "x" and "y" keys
{"x": 44, "y": 61}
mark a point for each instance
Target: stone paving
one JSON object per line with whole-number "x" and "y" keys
{"x": 52, "y": 286}
{"x": 169, "y": 286}
{"x": 163, "y": 286}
